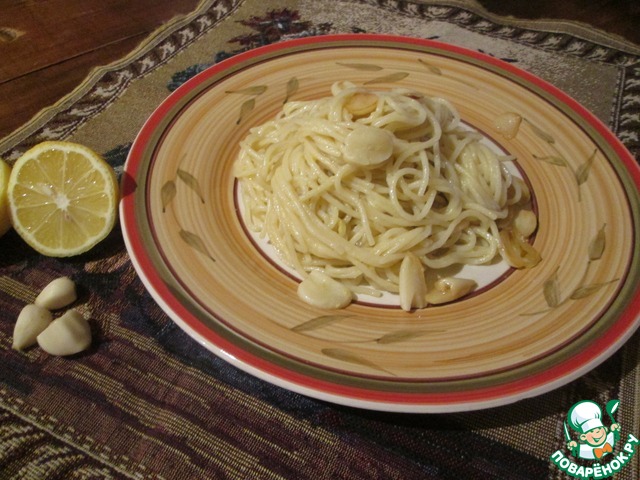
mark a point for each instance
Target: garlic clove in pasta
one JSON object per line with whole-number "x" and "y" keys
{"x": 516, "y": 251}
{"x": 368, "y": 146}
{"x": 508, "y": 124}
{"x": 449, "y": 289}
{"x": 412, "y": 285}
{"x": 361, "y": 104}
{"x": 57, "y": 294}
{"x": 322, "y": 291}
{"x": 525, "y": 222}
{"x": 31, "y": 321}
{"x": 66, "y": 335}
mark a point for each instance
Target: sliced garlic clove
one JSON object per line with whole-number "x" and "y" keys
{"x": 412, "y": 285}
{"x": 67, "y": 335}
{"x": 508, "y": 124}
{"x": 449, "y": 289}
{"x": 31, "y": 321}
{"x": 59, "y": 293}
{"x": 368, "y": 146}
{"x": 322, "y": 291}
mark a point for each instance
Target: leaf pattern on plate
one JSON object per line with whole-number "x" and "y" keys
{"x": 191, "y": 182}
{"x": 598, "y": 244}
{"x": 437, "y": 71}
{"x": 350, "y": 357}
{"x": 432, "y": 68}
{"x": 551, "y": 289}
{"x": 547, "y": 137}
{"x": 292, "y": 87}
{"x": 582, "y": 172}
{"x": 323, "y": 321}
{"x": 556, "y": 160}
{"x": 586, "y": 290}
{"x": 361, "y": 66}
{"x": 195, "y": 242}
{"x": 390, "y": 78}
{"x": 402, "y": 336}
{"x": 245, "y": 109}
{"x": 256, "y": 90}
{"x": 169, "y": 190}
{"x": 248, "y": 105}
{"x": 318, "y": 322}
{"x": 167, "y": 194}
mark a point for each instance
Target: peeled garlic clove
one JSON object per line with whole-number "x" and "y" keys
{"x": 31, "y": 321}
{"x": 368, "y": 146}
{"x": 66, "y": 335}
{"x": 59, "y": 293}
{"x": 361, "y": 104}
{"x": 322, "y": 291}
{"x": 525, "y": 222}
{"x": 508, "y": 124}
{"x": 449, "y": 289}
{"x": 412, "y": 285}
{"x": 516, "y": 251}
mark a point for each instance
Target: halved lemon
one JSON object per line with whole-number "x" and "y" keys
{"x": 63, "y": 198}
{"x": 5, "y": 217}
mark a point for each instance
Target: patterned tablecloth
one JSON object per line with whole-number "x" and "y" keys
{"x": 146, "y": 401}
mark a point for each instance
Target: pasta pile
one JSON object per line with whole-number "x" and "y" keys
{"x": 352, "y": 183}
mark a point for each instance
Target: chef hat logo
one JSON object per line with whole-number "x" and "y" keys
{"x": 585, "y": 416}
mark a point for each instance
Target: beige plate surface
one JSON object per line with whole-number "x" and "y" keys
{"x": 528, "y": 332}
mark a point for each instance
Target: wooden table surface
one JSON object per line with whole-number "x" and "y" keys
{"x": 47, "y": 47}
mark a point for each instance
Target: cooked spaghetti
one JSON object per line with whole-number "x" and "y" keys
{"x": 352, "y": 183}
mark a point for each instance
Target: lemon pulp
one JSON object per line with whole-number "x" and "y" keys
{"x": 63, "y": 198}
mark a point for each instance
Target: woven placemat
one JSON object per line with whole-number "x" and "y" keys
{"x": 148, "y": 402}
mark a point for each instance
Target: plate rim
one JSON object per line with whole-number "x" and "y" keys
{"x": 484, "y": 397}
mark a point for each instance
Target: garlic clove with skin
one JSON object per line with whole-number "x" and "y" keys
{"x": 57, "y": 294}
{"x": 67, "y": 335}
{"x": 31, "y": 321}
